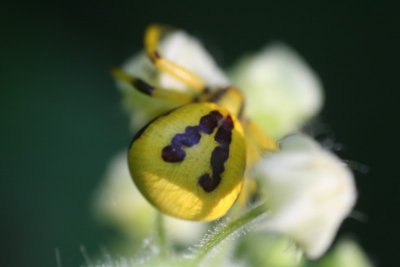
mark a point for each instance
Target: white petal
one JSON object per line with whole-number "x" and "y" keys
{"x": 180, "y": 48}
{"x": 310, "y": 192}
{"x": 185, "y": 51}
{"x": 139, "y": 106}
{"x": 188, "y": 52}
{"x": 282, "y": 92}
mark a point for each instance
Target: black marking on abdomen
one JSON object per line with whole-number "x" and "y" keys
{"x": 224, "y": 133}
{"x": 174, "y": 152}
{"x": 192, "y": 135}
{"x": 209, "y": 122}
{"x": 219, "y": 156}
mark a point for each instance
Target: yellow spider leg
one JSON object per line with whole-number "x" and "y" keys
{"x": 257, "y": 142}
{"x": 259, "y": 137}
{"x": 152, "y": 37}
{"x": 249, "y": 189}
{"x": 157, "y": 92}
{"x": 231, "y": 99}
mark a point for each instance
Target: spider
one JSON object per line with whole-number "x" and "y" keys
{"x": 191, "y": 161}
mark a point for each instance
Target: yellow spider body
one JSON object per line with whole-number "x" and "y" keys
{"x": 190, "y": 162}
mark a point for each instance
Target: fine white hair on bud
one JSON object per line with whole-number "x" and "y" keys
{"x": 309, "y": 192}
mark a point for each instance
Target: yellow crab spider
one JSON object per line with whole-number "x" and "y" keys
{"x": 190, "y": 162}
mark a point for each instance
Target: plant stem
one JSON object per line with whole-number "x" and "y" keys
{"x": 226, "y": 231}
{"x": 161, "y": 236}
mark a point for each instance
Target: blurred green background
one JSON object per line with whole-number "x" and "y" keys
{"x": 61, "y": 119}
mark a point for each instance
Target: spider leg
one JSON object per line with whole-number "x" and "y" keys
{"x": 249, "y": 189}
{"x": 231, "y": 98}
{"x": 262, "y": 140}
{"x": 257, "y": 143}
{"x": 153, "y": 91}
{"x": 151, "y": 40}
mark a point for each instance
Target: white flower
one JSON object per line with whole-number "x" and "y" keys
{"x": 282, "y": 92}
{"x": 119, "y": 202}
{"x": 309, "y": 191}
{"x": 188, "y": 52}
{"x": 182, "y": 49}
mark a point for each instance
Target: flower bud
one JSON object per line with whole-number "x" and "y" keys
{"x": 309, "y": 192}
{"x": 282, "y": 92}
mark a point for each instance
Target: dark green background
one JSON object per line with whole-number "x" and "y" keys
{"x": 61, "y": 119}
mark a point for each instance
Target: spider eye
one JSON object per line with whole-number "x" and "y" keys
{"x": 190, "y": 162}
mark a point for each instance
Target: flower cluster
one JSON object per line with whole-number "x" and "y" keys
{"x": 304, "y": 191}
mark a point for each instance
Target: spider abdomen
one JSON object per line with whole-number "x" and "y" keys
{"x": 190, "y": 162}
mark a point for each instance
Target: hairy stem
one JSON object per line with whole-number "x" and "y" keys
{"x": 226, "y": 231}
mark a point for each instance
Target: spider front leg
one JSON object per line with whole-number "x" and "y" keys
{"x": 154, "y": 91}
{"x": 262, "y": 140}
{"x": 230, "y": 98}
{"x": 151, "y": 40}
{"x": 257, "y": 143}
